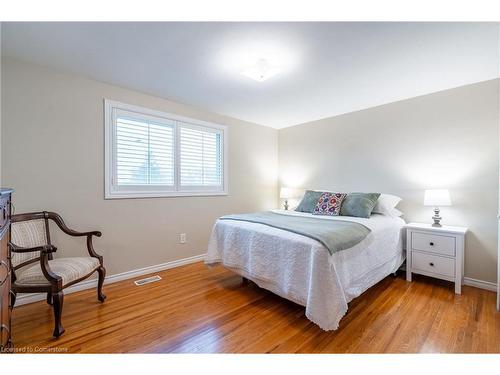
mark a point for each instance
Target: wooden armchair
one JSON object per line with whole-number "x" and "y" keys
{"x": 30, "y": 243}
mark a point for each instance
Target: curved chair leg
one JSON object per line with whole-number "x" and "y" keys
{"x": 49, "y": 298}
{"x": 57, "y": 299}
{"x": 102, "y": 274}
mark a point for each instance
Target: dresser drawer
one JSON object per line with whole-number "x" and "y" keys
{"x": 433, "y": 243}
{"x": 433, "y": 263}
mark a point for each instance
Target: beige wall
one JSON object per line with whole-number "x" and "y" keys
{"x": 447, "y": 139}
{"x": 53, "y": 155}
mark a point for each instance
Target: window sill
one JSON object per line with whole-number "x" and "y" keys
{"x": 173, "y": 194}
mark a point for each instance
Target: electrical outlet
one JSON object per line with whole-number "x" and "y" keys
{"x": 182, "y": 238}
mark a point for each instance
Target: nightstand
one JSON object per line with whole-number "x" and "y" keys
{"x": 436, "y": 252}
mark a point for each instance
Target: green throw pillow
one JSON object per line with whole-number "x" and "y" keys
{"x": 308, "y": 202}
{"x": 359, "y": 204}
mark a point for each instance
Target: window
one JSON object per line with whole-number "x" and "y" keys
{"x": 154, "y": 154}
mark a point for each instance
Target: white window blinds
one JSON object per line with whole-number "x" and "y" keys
{"x": 200, "y": 157}
{"x": 144, "y": 153}
{"x": 154, "y": 154}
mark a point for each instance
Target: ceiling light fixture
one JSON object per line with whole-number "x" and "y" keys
{"x": 260, "y": 71}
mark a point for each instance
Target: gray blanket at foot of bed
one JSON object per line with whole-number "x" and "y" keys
{"x": 335, "y": 235}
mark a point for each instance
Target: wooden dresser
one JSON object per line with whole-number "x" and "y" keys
{"x": 5, "y": 271}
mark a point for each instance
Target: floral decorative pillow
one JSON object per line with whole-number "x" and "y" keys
{"x": 329, "y": 204}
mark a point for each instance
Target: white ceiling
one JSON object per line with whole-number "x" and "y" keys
{"x": 327, "y": 68}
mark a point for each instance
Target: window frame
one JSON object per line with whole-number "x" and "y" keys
{"x": 112, "y": 191}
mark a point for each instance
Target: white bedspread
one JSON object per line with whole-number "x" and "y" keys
{"x": 301, "y": 269}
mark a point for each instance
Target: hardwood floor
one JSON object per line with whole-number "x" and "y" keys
{"x": 196, "y": 309}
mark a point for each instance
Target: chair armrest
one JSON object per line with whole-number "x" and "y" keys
{"x": 74, "y": 233}
{"x": 44, "y": 249}
{"x": 62, "y": 225}
{"x": 51, "y": 277}
{"x": 90, "y": 247}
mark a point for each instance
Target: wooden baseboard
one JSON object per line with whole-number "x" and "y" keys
{"x": 23, "y": 299}
{"x": 480, "y": 284}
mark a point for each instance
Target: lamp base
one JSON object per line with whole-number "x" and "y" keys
{"x": 286, "y": 204}
{"x": 436, "y": 218}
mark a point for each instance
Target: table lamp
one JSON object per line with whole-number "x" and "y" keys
{"x": 286, "y": 194}
{"x": 437, "y": 198}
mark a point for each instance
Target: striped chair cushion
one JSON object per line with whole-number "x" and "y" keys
{"x": 30, "y": 233}
{"x": 70, "y": 269}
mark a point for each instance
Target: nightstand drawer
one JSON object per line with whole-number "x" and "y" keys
{"x": 432, "y": 263}
{"x": 433, "y": 243}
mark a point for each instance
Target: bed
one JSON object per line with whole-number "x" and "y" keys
{"x": 301, "y": 269}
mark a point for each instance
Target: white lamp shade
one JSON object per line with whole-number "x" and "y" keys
{"x": 437, "y": 198}
{"x": 286, "y": 193}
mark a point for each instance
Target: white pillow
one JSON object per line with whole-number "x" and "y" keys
{"x": 396, "y": 213}
{"x": 386, "y": 204}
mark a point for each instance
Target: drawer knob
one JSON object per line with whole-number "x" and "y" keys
{"x": 431, "y": 243}
{"x": 431, "y": 264}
